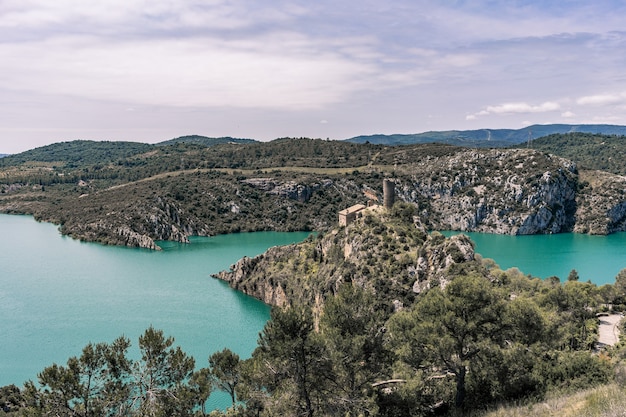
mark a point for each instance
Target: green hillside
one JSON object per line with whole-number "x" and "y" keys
{"x": 78, "y": 153}
{"x": 591, "y": 151}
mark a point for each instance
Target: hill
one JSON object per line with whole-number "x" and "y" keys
{"x": 590, "y": 151}
{"x": 454, "y": 323}
{"x": 386, "y": 318}
{"x": 78, "y": 153}
{"x": 490, "y": 138}
{"x": 206, "y": 141}
{"x": 172, "y": 192}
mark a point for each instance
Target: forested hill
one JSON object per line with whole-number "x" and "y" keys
{"x": 591, "y": 151}
{"x": 81, "y": 153}
{"x": 488, "y": 138}
{"x": 78, "y": 153}
{"x": 205, "y": 141}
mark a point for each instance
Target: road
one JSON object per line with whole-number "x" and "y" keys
{"x": 609, "y": 330}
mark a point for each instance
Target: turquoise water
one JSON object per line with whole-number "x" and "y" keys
{"x": 58, "y": 294}
{"x": 595, "y": 258}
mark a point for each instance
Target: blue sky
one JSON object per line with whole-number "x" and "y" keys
{"x": 151, "y": 70}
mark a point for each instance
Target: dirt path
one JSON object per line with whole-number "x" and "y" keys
{"x": 608, "y": 330}
{"x": 262, "y": 171}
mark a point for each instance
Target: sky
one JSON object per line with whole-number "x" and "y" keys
{"x": 152, "y": 70}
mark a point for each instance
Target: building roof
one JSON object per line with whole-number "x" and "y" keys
{"x": 354, "y": 209}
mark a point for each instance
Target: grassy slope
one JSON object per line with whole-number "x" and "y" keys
{"x": 604, "y": 401}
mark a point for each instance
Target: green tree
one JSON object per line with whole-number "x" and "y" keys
{"x": 353, "y": 332}
{"x": 91, "y": 385}
{"x": 447, "y": 330}
{"x": 11, "y": 399}
{"x": 161, "y": 377}
{"x": 620, "y": 286}
{"x": 225, "y": 369}
{"x": 294, "y": 363}
{"x": 200, "y": 389}
{"x": 574, "y": 319}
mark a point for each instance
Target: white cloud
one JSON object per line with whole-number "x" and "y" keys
{"x": 509, "y": 108}
{"x": 374, "y": 66}
{"x": 516, "y": 108}
{"x": 602, "y": 99}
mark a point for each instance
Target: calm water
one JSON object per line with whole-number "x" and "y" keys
{"x": 595, "y": 258}
{"x": 58, "y": 294}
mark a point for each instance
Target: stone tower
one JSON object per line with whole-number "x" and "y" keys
{"x": 389, "y": 193}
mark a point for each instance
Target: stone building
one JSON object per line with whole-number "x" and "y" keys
{"x": 350, "y": 214}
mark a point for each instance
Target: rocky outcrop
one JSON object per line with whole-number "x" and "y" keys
{"x": 436, "y": 257}
{"x": 498, "y": 191}
{"x": 263, "y": 287}
{"x": 394, "y": 259}
{"x": 601, "y": 203}
{"x": 287, "y": 189}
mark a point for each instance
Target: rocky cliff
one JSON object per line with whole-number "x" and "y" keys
{"x": 601, "y": 203}
{"x": 386, "y": 252}
{"x": 496, "y": 191}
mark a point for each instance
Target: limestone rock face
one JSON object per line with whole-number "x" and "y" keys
{"x": 436, "y": 257}
{"x": 263, "y": 287}
{"x": 287, "y": 189}
{"x": 601, "y": 203}
{"x": 504, "y": 191}
{"x": 394, "y": 259}
{"x": 497, "y": 191}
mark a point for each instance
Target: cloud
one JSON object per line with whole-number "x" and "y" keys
{"x": 188, "y": 72}
{"x": 374, "y": 66}
{"x": 516, "y": 108}
{"x": 602, "y": 99}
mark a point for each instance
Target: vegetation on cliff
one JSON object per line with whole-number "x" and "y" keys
{"x": 136, "y": 194}
{"x": 589, "y": 151}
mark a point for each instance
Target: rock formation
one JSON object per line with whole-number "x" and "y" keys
{"x": 381, "y": 252}
{"x": 496, "y": 191}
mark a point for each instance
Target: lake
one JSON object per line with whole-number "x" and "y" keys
{"x": 595, "y": 258}
{"x": 58, "y": 294}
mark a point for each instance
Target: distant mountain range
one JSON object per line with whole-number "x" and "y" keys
{"x": 488, "y": 137}
{"x": 482, "y": 138}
